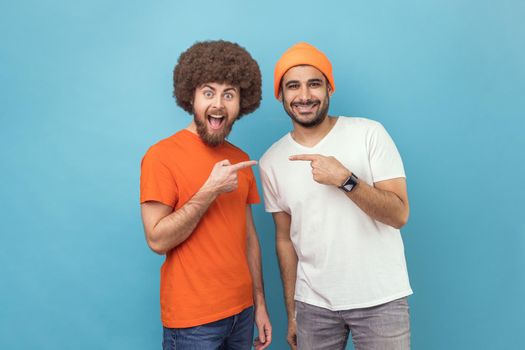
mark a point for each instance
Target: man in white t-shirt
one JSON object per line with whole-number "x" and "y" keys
{"x": 336, "y": 189}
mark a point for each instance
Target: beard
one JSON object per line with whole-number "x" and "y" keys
{"x": 212, "y": 139}
{"x": 318, "y": 118}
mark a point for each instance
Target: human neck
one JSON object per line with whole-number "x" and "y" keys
{"x": 192, "y": 127}
{"x": 309, "y": 137}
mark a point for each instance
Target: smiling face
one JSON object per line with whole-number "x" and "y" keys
{"x": 305, "y": 95}
{"x": 215, "y": 109}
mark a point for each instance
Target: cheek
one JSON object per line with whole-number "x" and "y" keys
{"x": 287, "y": 100}
{"x": 233, "y": 108}
{"x": 199, "y": 111}
{"x": 199, "y": 105}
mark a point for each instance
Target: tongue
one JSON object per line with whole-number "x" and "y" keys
{"x": 215, "y": 123}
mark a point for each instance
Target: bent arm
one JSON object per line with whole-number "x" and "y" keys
{"x": 165, "y": 229}
{"x": 386, "y": 201}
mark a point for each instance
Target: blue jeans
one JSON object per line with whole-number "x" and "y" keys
{"x": 232, "y": 333}
{"x": 381, "y": 327}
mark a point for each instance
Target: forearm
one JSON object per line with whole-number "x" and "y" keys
{"x": 253, "y": 252}
{"x": 386, "y": 201}
{"x": 288, "y": 266}
{"x": 175, "y": 228}
{"x": 383, "y": 206}
{"x": 255, "y": 266}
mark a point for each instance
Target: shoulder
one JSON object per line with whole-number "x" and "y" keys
{"x": 164, "y": 146}
{"x": 360, "y": 123}
{"x": 359, "y": 128}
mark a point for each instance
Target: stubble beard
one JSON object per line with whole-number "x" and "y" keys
{"x": 319, "y": 116}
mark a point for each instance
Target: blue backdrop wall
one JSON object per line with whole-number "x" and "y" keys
{"x": 85, "y": 89}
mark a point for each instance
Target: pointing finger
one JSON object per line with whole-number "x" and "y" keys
{"x": 307, "y": 157}
{"x": 242, "y": 165}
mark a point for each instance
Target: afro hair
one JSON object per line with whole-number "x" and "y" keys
{"x": 220, "y": 62}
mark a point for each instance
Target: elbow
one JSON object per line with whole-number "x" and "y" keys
{"x": 399, "y": 224}
{"x": 158, "y": 250}
{"x": 156, "y": 246}
{"x": 401, "y": 220}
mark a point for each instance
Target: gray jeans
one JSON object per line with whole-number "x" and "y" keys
{"x": 382, "y": 327}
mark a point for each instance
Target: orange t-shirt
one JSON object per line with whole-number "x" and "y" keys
{"x": 206, "y": 277}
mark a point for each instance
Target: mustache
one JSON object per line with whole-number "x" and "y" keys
{"x": 218, "y": 111}
{"x": 306, "y": 103}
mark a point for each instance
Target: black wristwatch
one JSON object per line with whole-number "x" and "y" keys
{"x": 349, "y": 183}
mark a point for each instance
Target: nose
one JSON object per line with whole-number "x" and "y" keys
{"x": 304, "y": 92}
{"x": 217, "y": 101}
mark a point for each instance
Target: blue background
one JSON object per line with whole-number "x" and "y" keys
{"x": 86, "y": 89}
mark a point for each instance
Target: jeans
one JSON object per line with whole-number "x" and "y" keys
{"x": 232, "y": 333}
{"x": 381, "y": 327}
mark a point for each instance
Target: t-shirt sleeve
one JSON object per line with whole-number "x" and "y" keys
{"x": 253, "y": 194}
{"x": 156, "y": 180}
{"x": 385, "y": 161}
{"x": 271, "y": 199}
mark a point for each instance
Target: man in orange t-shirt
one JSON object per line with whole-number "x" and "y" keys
{"x": 196, "y": 191}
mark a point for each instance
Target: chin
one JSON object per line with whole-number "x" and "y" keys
{"x": 214, "y": 138}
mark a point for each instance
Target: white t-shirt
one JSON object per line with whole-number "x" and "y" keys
{"x": 346, "y": 260}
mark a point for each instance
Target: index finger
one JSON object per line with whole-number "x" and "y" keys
{"x": 242, "y": 165}
{"x": 308, "y": 157}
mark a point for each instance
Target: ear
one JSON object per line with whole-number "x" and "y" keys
{"x": 280, "y": 96}
{"x": 330, "y": 91}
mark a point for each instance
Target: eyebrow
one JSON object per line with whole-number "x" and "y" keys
{"x": 212, "y": 88}
{"x": 315, "y": 80}
{"x": 291, "y": 82}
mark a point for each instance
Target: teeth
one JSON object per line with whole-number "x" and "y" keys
{"x": 216, "y": 116}
{"x": 306, "y": 105}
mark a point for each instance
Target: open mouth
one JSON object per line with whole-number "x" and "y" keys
{"x": 216, "y": 121}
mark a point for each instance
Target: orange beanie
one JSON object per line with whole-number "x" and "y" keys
{"x": 302, "y": 54}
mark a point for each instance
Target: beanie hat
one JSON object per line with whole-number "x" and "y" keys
{"x": 302, "y": 54}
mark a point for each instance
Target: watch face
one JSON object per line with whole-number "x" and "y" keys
{"x": 350, "y": 183}
{"x": 348, "y": 187}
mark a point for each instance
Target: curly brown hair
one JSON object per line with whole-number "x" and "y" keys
{"x": 217, "y": 62}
